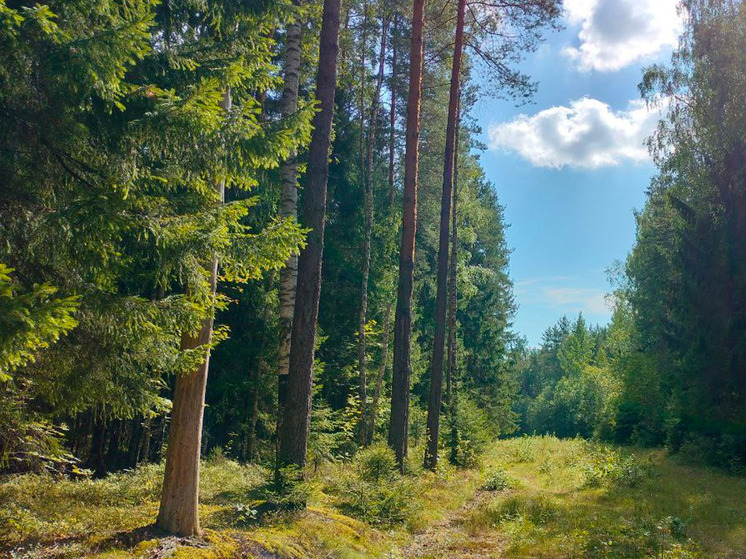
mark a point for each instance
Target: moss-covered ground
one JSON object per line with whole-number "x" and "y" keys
{"x": 531, "y": 497}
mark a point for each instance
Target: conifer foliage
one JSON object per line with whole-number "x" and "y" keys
{"x": 164, "y": 163}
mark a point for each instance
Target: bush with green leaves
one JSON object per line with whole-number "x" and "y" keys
{"x": 498, "y": 480}
{"x": 373, "y": 490}
{"x": 608, "y": 467}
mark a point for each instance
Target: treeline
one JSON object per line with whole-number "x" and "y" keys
{"x": 286, "y": 195}
{"x": 670, "y": 369}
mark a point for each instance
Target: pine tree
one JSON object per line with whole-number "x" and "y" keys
{"x": 293, "y": 436}
{"x": 399, "y": 423}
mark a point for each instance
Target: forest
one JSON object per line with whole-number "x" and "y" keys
{"x": 256, "y": 295}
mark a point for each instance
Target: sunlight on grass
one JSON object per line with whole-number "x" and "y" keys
{"x": 535, "y": 497}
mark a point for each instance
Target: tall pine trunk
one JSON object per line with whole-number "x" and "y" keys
{"x": 436, "y": 370}
{"x": 451, "y": 396}
{"x": 178, "y": 513}
{"x": 372, "y": 129}
{"x": 288, "y": 208}
{"x": 399, "y": 424}
{"x": 392, "y": 111}
{"x": 362, "y": 383}
{"x": 293, "y": 435}
{"x": 453, "y": 280}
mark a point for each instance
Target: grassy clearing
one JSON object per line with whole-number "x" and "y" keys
{"x": 534, "y": 497}
{"x": 45, "y": 517}
{"x": 577, "y": 499}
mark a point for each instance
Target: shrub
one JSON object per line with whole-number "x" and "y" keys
{"x": 382, "y": 504}
{"x": 467, "y": 433}
{"x": 289, "y": 490}
{"x": 609, "y": 467}
{"x": 376, "y": 463}
{"x": 498, "y": 480}
{"x": 373, "y": 490}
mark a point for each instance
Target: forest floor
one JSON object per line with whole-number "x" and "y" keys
{"x": 531, "y": 497}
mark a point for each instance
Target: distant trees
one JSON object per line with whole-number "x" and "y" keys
{"x": 567, "y": 386}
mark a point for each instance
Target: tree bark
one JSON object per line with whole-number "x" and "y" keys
{"x": 144, "y": 453}
{"x": 436, "y": 378}
{"x": 372, "y": 129}
{"x": 112, "y": 453}
{"x": 398, "y": 427}
{"x": 392, "y": 112}
{"x": 293, "y": 435}
{"x": 453, "y": 282}
{"x": 98, "y": 441}
{"x": 362, "y": 383}
{"x": 288, "y": 209}
{"x": 178, "y": 513}
{"x": 451, "y": 399}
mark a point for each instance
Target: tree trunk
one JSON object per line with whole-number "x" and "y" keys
{"x": 146, "y": 438}
{"x": 98, "y": 441}
{"x": 134, "y": 443}
{"x": 251, "y": 442}
{"x": 381, "y": 373}
{"x": 293, "y": 435}
{"x": 362, "y": 383}
{"x": 392, "y": 112}
{"x": 372, "y": 129}
{"x": 398, "y": 427}
{"x": 288, "y": 208}
{"x": 112, "y": 453}
{"x": 453, "y": 282}
{"x": 451, "y": 399}
{"x": 178, "y": 513}
{"x": 436, "y": 378}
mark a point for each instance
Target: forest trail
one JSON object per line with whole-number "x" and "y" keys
{"x": 541, "y": 497}
{"x": 530, "y": 498}
{"x": 450, "y": 537}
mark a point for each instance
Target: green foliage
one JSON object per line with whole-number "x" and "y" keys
{"x": 467, "y": 431}
{"x": 30, "y": 322}
{"x": 609, "y": 467}
{"x": 375, "y": 492}
{"x": 498, "y": 480}
{"x": 681, "y": 290}
{"x": 377, "y": 463}
{"x": 289, "y": 490}
{"x": 113, "y": 151}
{"x": 569, "y": 386}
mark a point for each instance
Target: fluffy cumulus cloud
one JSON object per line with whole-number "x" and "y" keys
{"x": 616, "y": 33}
{"x": 586, "y": 134}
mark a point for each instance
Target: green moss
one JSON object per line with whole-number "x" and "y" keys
{"x": 673, "y": 511}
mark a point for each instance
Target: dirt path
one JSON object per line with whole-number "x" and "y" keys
{"x": 451, "y": 538}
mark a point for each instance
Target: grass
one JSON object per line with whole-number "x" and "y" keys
{"x": 578, "y": 499}
{"x": 532, "y": 497}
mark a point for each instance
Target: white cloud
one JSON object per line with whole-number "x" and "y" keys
{"x": 586, "y": 134}
{"x": 562, "y": 294}
{"x": 579, "y": 299}
{"x": 616, "y": 33}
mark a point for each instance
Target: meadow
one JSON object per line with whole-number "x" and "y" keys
{"x": 529, "y": 497}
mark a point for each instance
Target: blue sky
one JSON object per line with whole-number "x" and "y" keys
{"x": 571, "y": 167}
